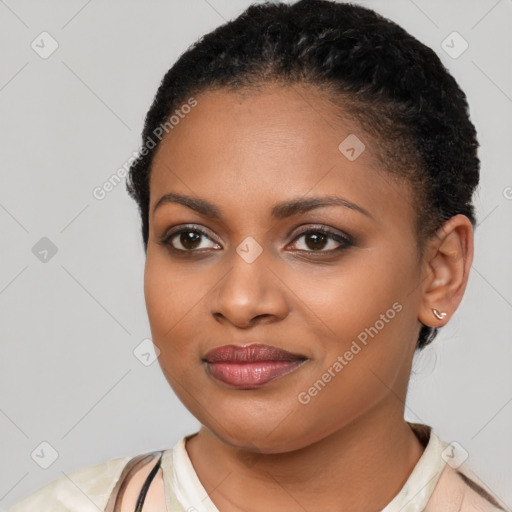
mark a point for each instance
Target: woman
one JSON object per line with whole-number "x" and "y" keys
{"x": 305, "y": 187}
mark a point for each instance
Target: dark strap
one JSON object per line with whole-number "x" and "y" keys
{"x": 147, "y": 483}
{"x": 129, "y": 470}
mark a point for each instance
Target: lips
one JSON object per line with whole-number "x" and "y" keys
{"x": 250, "y": 353}
{"x": 250, "y": 366}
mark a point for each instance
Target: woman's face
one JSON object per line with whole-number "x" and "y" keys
{"x": 251, "y": 275}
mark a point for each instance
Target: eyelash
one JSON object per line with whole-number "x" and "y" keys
{"x": 345, "y": 242}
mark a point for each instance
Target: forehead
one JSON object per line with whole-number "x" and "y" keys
{"x": 275, "y": 122}
{"x": 272, "y": 144}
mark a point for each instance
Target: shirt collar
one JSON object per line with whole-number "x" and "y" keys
{"x": 181, "y": 478}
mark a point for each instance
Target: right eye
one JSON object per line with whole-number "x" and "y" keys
{"x": 187, "y": 239}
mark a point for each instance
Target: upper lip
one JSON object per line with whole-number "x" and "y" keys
{"x": 250, "y": 353}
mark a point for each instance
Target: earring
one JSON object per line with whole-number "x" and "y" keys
{"x": 438, "y": 315}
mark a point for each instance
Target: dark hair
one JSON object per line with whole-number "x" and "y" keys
{"x": 395, "y": 87}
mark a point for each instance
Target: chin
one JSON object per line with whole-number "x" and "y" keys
{"x": 252, "y": 435}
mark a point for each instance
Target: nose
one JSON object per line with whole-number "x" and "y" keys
{"x": 249, "y": 293}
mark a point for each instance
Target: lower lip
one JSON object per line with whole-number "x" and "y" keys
{"x": 251, "y": 375}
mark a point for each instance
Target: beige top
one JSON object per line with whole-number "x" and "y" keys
{"x": 437, "y": 482}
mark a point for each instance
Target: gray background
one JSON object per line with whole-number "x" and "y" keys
{"x": 70, "y": 325}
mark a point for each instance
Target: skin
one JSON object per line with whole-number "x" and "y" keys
{"x": 349, "y": 448}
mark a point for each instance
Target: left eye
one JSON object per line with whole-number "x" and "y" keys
{"x": 316, "y": 240}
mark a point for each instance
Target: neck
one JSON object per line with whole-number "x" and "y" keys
{"x": 362, "y": 466}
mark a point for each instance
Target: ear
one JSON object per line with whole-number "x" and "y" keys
{"x": 445, "y": 273}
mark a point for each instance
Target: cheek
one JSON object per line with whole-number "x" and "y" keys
{"x": 353, "y": 297}
{"x": 169, "y": 307}
{"x": 170, "y": 297}
{"x": 369, "y": 320}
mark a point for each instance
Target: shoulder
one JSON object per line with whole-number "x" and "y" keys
{"x": 457, "y": 490}
{"x": 85, "y": 489}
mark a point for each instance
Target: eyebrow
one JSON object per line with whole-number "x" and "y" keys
{"x": 279, "y": 211}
